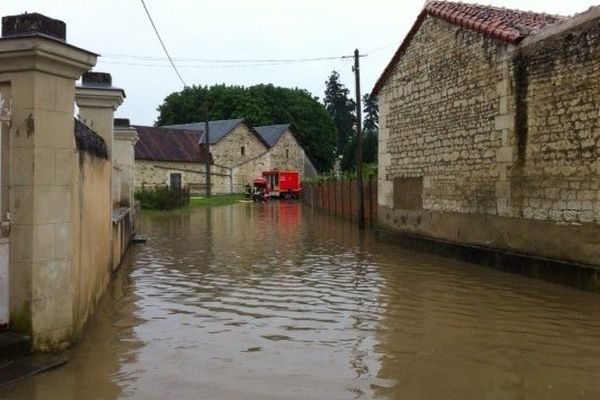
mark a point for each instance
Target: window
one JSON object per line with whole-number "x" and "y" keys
{"x": 287, "y": 153}
{"x": 175, "y": 180}
{"x": 243, "y": 151}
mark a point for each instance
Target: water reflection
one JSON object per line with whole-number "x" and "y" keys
{"x": 279, "y": 302}
{"x": 99, "y": 366}
{"x": 467, "y": 332}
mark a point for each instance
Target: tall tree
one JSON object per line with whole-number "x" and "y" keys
{"x": 259, "y": 105}
{"x": 370, "y": 130}
{"x": 371, "y": 111}
{"x": 341, "y": 108}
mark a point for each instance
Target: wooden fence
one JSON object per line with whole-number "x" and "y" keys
{"x": 340, "y": 198}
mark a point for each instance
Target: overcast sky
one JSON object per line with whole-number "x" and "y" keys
{"x": 205, "y": 31}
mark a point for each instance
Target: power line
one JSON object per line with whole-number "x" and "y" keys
{"x": 225, "y": 61}
{"x": 395, "y": 44}
{"x": 162, "y": 44}
{"x": 204, "y": 66}
{"x": 153, "y": 61}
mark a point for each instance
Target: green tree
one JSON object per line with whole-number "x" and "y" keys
{"x": 369, "y": 151}
{"x": 371, "y": 114}
{"x": 370, "y": 130}
{"x": 341, "y": 108}
{"x": 258, "y": 105}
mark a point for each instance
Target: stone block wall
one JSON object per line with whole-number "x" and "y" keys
{"x": 55, "y": 183}
{"x": 91, "y": 243}
{"x": 152, "y": 173}
{"x": 502, "y": 140}
{"x": 228, "y": 151}
{"x": 438, "y": 120}
{"x": 288, "y": 154}
{"x": 245, "y": 173}
{"x": 560, "y": 85}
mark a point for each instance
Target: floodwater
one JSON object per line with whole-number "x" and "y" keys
{"x": 279, "y": 302}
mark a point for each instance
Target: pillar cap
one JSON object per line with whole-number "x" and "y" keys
{"x": 124, "y": 130}
{"x": 126, "y": 134}
{"x": 96, "y": 79}
{"x": 34, "y": 42}
{"x": 34, "y": 23}
{"x": 96, "y": 90}
{"x": 122, "y": 123}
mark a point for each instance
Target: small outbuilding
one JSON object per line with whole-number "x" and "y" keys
{"x": 489, "y": 137}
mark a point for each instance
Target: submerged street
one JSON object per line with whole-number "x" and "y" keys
{"x": 276, "y": 301}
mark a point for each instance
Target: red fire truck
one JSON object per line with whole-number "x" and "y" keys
{"x": 283, "y": 183}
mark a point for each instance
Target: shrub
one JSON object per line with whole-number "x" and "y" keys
{"x": 163, "y": 197}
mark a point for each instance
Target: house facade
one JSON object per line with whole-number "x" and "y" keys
{"x": 232, "y": 142}
{"x": 239, "y": 153}
{"x": 237, "y": 150}
{"x": 285, "y": 150}
{"x": 489, "y": 125}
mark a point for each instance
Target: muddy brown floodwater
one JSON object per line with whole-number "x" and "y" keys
{"x": 279, "y": 302}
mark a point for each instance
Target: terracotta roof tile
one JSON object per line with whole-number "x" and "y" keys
{"x": 498, "y": 23}
{"x": 502, "y": 24}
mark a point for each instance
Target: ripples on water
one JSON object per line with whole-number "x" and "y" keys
{"x": 277, "y": 302}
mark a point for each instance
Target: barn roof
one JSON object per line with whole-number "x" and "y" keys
{"x": 272, "y": 133}
{"x": 218, "y": 129}
{"x": 168, "y": 144}
{"x": 503, "y": 24}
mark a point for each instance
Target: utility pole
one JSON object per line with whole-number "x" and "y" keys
{"x": 359, "y": 145}
{"x": 207, "y": 143}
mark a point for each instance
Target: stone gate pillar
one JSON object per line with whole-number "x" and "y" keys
{"x": 124, "y": 157}
{"x": 40, "y": 68}
{"x": 98, "y": 100}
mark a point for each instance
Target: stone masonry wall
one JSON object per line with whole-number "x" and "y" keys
{"x": 288, "y": 154}
{"x": 438, "y": 120}
{"x": 494, "y": 145}
{"x": 227, "y": 151}
{"x": 92, "y": 258}
{"x": 560, "y": 84}
{"x": 154, "y": 173}
{"x": 245, "y": 173}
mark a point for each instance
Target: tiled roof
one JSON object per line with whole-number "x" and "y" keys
{"x": 218, "y": 129}
{"x": 509, "y": 26}
{"x": 165, "y": 144}
{"x": 272, "y": 133}
{"x": 503, "y": 24}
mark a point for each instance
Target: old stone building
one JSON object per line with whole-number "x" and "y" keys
{"x": 237, "y": 150}
{"x": 169, "y": 157}
{"x": 239, "y": 153}
{"x": 489, "y": 134}
{"x": 285, "y": 150}
{"x": 232, "y": 142}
